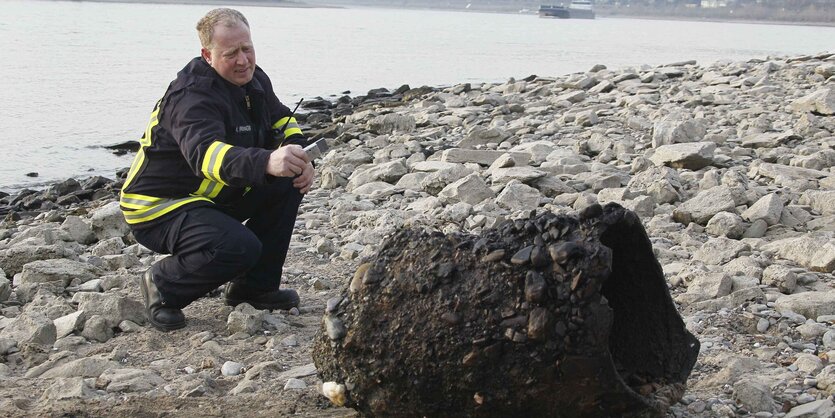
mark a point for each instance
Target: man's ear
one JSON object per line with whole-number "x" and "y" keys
{"x": 207, "y": 55}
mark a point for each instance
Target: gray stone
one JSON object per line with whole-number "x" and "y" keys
{"x": 5, "y": 289}
{"x": 231, "y": 368}
{"x": 60, "y": 271}
{"x": 690, "y": 156}
{"x": 97, "y": 329}
{"x": 769, "y": 208}
{"x": 129, "y": 380}
{"x": 829, "y": 340}
{"x": 436, "y": 181}
{"x": 66, "y": 324}
{"x": 677, "y": 128}
{"x": 823, "y": 408}
{"x": 821, "y": 101}
{"x": 295, "y": 384}
{"x": 745, "y": 266}
{"x": 480, "y": 136}
{"x": 755, "y": 396}
{"x": 780, "y": 277}
{"x": 481, "y": 157}
{"x": 13, "y": 259}
{"x": 706, "y": 286}
{"x": 518, "y": 196}
{"x": 777, "y": 171}
{"x": 826, "y": 378}
{"x": 30, "y": 328}
{"x": 64, "y": 388}
{"x": 757, "y": 229}
{"x": 705, "y": 204}
{"x": 500, "y": 176}
{"x": 6, "y": 345}
{"x": 821, "y": 201}
{"x": 808, "y": 363}
{"x": 391, "y": 123}
{"x": 719, "y": 250}
{"x": 663, "y": 184}
{"x": 108, "y": 222}
{"x": 388, "y": 172}
{"x": 726, "y": 224}
{"x": 112, "y": 307}
{"x": 83, "y": 367}
{"x": 471, "y": 189}
{"x": 815, "y": 252}
{"x": 809, "y": 304}
{"x": 109, "y": 246}
{"x": 128, "y": 326}
{"x": 80, "y": 231}
{"x": 245, "y": 319}
{"x": 334, "y": 327}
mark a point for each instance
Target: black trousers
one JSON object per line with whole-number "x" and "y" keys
{"x": 209, "y": 245}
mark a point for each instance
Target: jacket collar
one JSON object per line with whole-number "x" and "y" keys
{"x": 199, "y": 67}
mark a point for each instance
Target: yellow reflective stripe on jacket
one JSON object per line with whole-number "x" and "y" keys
{"x": 213, "y": 161}
{"x": 291, "y": 129}
{"x": 144, "y": 142}
{"x": 152, "y": 210}
{"x": 209, "y": 188}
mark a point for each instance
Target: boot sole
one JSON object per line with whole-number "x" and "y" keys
{"x": 261, "y": 306}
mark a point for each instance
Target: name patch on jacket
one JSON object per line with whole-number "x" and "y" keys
{"x": 243, "y": 128}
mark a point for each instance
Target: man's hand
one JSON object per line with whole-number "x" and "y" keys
{"x": 288, "y": 161}
{"x": 305, "y": 179}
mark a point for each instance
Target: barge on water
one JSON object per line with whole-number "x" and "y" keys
{"x": 578, "y": 9}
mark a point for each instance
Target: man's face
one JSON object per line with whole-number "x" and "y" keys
{"x": 232, "y": 56}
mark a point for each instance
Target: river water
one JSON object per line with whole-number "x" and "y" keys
{"x": 79, "y": 75}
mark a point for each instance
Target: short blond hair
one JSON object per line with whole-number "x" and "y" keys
{"x": 206, "y": 24}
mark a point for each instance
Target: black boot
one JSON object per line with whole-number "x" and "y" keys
{"x": 237, "y": 293}
{"x": 160, "y": 316}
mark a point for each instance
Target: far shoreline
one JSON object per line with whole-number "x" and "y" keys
{"x": 600, "y": 14}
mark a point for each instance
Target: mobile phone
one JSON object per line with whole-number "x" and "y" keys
{"x": 316, "y": 149}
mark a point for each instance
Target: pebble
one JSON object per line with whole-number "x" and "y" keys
{"x": 231, "y": 368}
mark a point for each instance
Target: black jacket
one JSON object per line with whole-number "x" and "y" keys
{"x": 208, "y": 141}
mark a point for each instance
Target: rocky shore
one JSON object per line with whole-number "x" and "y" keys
{"x": 729, "y": 165}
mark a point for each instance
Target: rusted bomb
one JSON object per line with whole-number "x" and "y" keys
{"x": 590, "y": 332}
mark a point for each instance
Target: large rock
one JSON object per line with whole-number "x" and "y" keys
{"x": 719, "y": 250}
{"x": 815, "y": 252}
{"x": 114, "y": 308}
{"x": 822, "y": 201}
{"x": 662, "y": 184}
{"x": 13, "y": 259}
{"x": 519, "y": 196}
{"x": 388, "y": 172}
{"x": 108, "y": 222}
{"x": 129, "y": 380}
{"x": 769, "y": 208}
{"x": 705, "y": 204}
{"x": 64, "y": 388}
{"x": 479, "y": 136}
{"x": 244, "y": 319}
{"x": 755, "y": 396}
{"x": 809, "y": 304}
{"x": 822, "y": 408}
{"x": 30, "y": 328}
{"x": 690, "y": 156}
{"x": 821, "y": 102}
{"x": 61, "y": 271}
{"x": 83, "y": 367}
{"x": 80, "y": 231}
{"x": 516, "y": 322}
{"x": 481, "y": 157}
{"x": 66, "y": 324}
{"x": 392, "y": 122}
{"x": 678, "y": 128}
{"x": 706, "y": 286}
{"x": 471, "y": 189}
{"x": 525, "y": 175}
